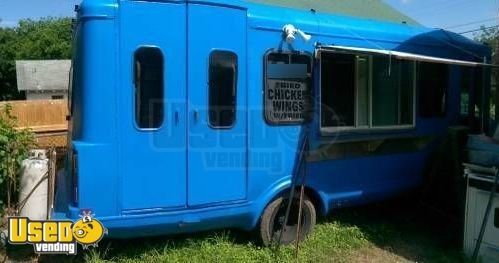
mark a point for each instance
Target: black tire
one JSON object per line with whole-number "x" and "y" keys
{"x": 273, "y": 218}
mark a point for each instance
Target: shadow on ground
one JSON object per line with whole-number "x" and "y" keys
{"x": 408, "y": 229}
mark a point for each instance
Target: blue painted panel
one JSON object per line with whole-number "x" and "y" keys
{"x": 271, "y": 148}
{"x": 217, "y": 156}
{"x": 94, "y": 89}
{"x": 153, "y": 162}
{"x": 353, "y": 181}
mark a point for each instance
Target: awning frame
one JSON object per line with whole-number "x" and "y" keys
{"x": 404, "y": 55}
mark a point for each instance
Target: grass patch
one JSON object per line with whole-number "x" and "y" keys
{"x": 389, "y": 232}
{"x": 330, "y": 241}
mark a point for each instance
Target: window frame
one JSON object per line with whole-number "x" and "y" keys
{"x": 235, "y": 87}
{"x": 265, "y": 85}
{"x": 370, "y": 126}
{"x": 356, "y": 127}
{"x": 369, "y": 92}
{"x": 134, "y": 90}
{"x": 414, "y": 102}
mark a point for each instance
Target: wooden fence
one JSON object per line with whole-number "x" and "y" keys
{"x": 46, "y": 118}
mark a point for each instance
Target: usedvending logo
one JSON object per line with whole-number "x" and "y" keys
{"x": 56, "y": 237}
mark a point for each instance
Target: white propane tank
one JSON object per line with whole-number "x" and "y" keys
{"x": 33, "y": 170}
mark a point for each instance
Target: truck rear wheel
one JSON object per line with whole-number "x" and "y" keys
{"x": 271, "y": 223}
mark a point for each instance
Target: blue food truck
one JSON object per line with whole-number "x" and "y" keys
{"x": 194, "y": 115}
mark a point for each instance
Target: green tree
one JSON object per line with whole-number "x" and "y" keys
{"x": 47, "y": 38}
{"x": 14, "y": 146}
{"x": 489, "y": 36}
{"x": 44, "y": 39}
{"x": 8, "y": 88}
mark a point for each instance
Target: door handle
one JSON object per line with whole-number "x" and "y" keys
{"x": 176, "y": 118}
{"x": 196, "y": 115}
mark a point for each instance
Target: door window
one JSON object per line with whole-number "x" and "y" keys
{"x": 222, "y": 89}
{"x": 148, "y": 74}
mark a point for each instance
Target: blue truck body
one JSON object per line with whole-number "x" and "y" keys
{"x": 187, "y": 175}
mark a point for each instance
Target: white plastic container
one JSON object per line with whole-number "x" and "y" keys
{"x": 34, "y": 169}
{"x": 477, "y": 198}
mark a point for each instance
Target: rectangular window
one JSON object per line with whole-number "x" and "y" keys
{"x": 57, "y": 97}
{"x": 393, "y": 92}
{"x": 361, "y": 91}
{"x": 345, "y": 90}
{"x": 222, "y": 89}
{"x": 338, "y": 90}
{"x": 433, "y": 81}
{"x": 149, "y": 90}
{"x": 287, "y": 88}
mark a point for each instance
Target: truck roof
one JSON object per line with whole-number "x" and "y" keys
{"x": 366, "y": 23}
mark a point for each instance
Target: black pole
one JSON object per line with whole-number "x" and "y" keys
{"x": 302, "y": 193}
{"x": 294, "y": 180}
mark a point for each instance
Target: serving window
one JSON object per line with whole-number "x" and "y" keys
{"x": 366, "y": 92}
{"x": 287, "y": 87}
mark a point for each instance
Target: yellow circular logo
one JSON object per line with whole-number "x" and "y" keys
{"x": 88, "y": 231}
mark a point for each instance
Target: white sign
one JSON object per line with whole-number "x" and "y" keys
{"x": 285, "y": 100}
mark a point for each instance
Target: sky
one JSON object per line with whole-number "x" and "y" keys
{"x": 447, "y": 14}
{"x": 454, "y": 15}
